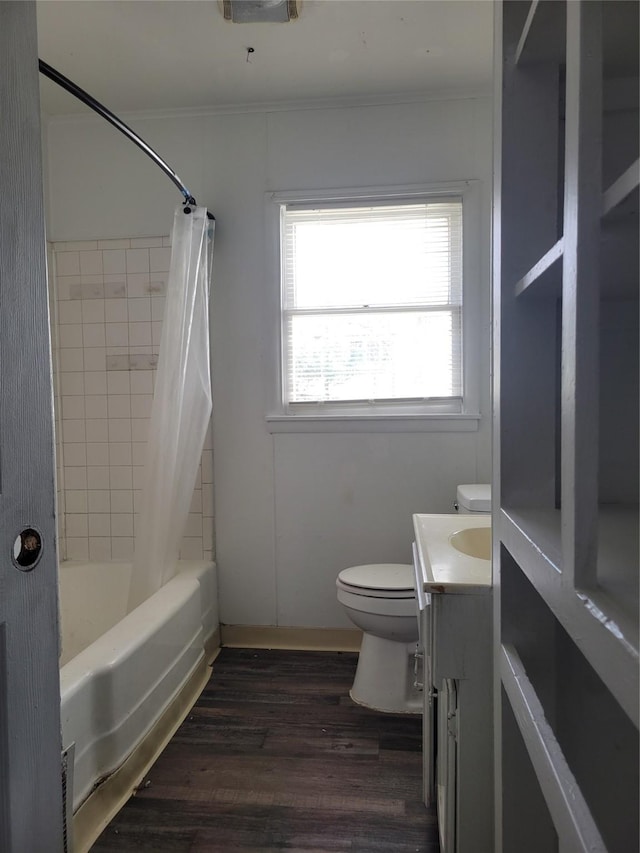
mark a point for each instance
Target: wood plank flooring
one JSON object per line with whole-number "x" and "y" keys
{"x": 275, "y": 756}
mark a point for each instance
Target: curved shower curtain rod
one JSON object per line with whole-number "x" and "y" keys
{"x": 113, "y": 119}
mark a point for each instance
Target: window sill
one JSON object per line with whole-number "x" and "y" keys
{"x": 373, "y": 423}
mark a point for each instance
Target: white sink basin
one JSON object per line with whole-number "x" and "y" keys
{"x": 473, "y": 541}
{"x": 454, "y": 552}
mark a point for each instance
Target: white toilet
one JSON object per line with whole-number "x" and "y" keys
{"x": 380, "y": 600}
{"x": 472, "y": 498}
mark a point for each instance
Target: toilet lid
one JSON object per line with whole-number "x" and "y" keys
{"x": 392, "y": 577}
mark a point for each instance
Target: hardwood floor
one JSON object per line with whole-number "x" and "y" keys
{"x": 276, "y": 756}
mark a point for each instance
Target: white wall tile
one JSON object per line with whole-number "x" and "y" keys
{"x": 139, "y": 309}
{"x": 95, "y": 381}
{"x": 67, "y": 263}
{"x": 139, "y": 334}
{"x": 120, "y": 453}
{"x": 157, "y": 308}
{"x": 141, "y": 382}
{"x": 139, "y": 429}
{"x": 98, "y": 476}
{"x": 118, "y": 382}
{"x": 159, "y": 260}
{"x": 73, "y": 407}
{"x": 141, "y": 405}
{"x": 75, "y": 455}
{"x": 97, "y": 430}
{"x": 207, "y": 503}
{"x": 77, "y": 549}
{"x": 96, "y": 406}
{"x": 101, "y": 486}
{"x": 137, "y": 284}
{"x": 139, "y": 452}
{"x": 76, "y": 525}
{"x": 114, "y": 244}
{"x": 121, "y": 477}
{"x": 94, "y": 334}
{"x": 137, "y": 261}
{"x": 98, "y": 500}
{"x": 117, "y": 334}
{"x": 114, "y": 262}
{"x": 115, "y": 287}
{"x": 91, "y": 263}
{"x": 97, "y": 453}
{"x": 73, "y": 430}
{"x": 64, "y": 284}
{"x": 70, "y": 335}
{"x": 116, "y": 311}
{"x": 145, "y": 242}
{"x": 95, "y": 359}
{"x": 92, "y": 287}
{"x": 75, "y": 500}
{"x": 119, "y": 429}
{"x": 75, "y": 477}
{"x": 122, "y": 524}
{"x": 99, "y": 548}
{"x": 99, "y": 524}
{"x": 122, "y": 500}
{"x": 93, "y": 311}
{"x": 69, "y": 312}
{"x": 77, "y": 246}
{"x": 139, "y": 477}
{"x": 119, "y": 405}
{"x": 72, "y": 383}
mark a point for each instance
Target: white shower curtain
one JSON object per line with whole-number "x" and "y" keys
{"x": 181, "y": 407}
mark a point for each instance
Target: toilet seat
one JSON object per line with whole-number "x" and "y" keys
{"x": 381, "y": 580}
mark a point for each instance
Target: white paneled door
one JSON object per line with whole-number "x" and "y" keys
{"x": 30, "y": 742}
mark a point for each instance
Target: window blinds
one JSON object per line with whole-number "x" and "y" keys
{"x": 371, "y": 302}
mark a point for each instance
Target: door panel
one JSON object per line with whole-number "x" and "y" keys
{"x": 30, "y": 743}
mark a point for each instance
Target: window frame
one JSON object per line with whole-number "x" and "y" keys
{"x": 336, "y": 416}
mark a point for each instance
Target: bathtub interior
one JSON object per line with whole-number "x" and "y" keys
{"x": 122, "y": 670}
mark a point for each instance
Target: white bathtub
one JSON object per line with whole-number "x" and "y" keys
{"x": 120, "y": 672}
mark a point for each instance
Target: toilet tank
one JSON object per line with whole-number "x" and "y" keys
{"x": 473, "y": 498}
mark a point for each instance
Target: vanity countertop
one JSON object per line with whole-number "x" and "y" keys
{"x": 442, "y": 567}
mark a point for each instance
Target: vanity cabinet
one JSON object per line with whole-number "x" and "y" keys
{"x": 458, "y": 717}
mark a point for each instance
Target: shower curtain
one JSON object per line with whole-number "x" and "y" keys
{"x": 181, "y": 407}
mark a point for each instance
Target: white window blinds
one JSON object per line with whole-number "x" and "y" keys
{"x": 372, "y": 302}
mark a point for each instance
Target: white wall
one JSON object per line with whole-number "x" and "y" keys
{"x": 291, "y": 509}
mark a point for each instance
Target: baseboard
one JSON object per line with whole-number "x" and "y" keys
{"x": 303, "y": 639}
{"x": 107, "y": 799}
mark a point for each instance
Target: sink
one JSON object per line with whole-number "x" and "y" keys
{"x": 473, "y": 541}
{"x": 453, "y": 553}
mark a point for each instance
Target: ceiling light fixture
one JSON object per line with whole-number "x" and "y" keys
{"x": 260, "y": 11}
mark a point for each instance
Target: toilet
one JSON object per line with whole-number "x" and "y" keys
{"x": 380, "y": 600}
{"x": 473, "y": 498}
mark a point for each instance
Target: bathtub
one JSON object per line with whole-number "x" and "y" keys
{"x": 121, "y": 672}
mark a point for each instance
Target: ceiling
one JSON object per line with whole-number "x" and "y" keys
{"x": 138, "y": 55}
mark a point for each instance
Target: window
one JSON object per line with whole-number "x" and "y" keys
{"x": 371, "y": 305}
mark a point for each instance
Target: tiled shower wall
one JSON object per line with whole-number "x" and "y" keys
{"x": 107, "y": 306}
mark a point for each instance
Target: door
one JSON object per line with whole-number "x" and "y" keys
{"x": 30, "y": 743}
